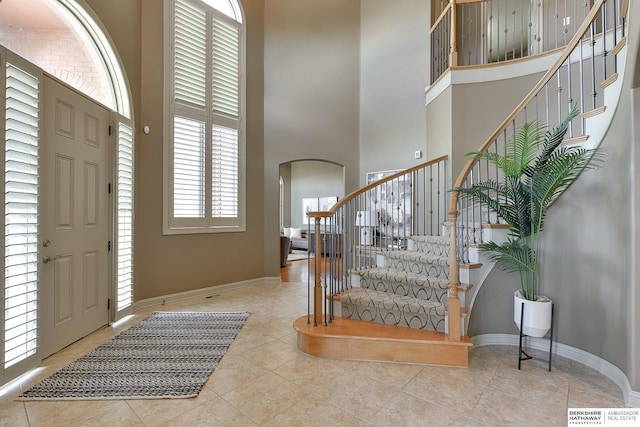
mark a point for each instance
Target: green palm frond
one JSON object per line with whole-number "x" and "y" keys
{"x": 562, "y": 169}
{"x": 536, "y": 169}
{"x": 552, "y": 140}
{"x": 515, "y": 256}
{"x": 524, "y": 147}
{"x": 521, "y": 149}
{"x": 498, "y": 197}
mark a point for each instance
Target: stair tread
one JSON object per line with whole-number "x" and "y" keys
{"x": 594, "y": 112}
{"x": 618, "y": 47}
{"x": 345, "y": 327}
{"x": 358, "y": 293}
{"x": 392, "y": 274}
{"x": 575, "y": 140}
{"x": 411, "y": 278}
{"x": 418, "y": 256}
{"x": 440, "y": 240}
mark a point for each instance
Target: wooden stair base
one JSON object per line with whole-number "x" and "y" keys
{"x": 360, "y": 340}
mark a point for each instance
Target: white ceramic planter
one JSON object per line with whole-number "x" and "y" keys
{"x": 537, "y": 315}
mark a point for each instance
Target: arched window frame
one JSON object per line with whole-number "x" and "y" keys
{"x": 175, "y": 220}
{"x": 110, "y": 59}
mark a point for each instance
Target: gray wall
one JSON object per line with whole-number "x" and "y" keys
{"x": 588, "y": 253}
{"x": 478, "y": 109}
{"x": 439, "y": 129}
{"x": 171, "y": 264}
{"x": 311, "y": 179}
{"x": 311, "y": 95}
{"x": 342, "y": 81}
{"x": 394, "y": 63}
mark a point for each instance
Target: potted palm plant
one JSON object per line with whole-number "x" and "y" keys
{"x": 536, "y": 168}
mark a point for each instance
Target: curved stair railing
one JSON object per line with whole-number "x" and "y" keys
{"x": 370, "y": 221}
{"x": 382, "y": 216}
{"x": 585, "y": 68}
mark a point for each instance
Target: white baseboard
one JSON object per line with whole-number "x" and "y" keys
{"x": 149, "y": 302}
{"x": 631, "y": 397}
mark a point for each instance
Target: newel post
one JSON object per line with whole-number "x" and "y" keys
{"x": 453, "y": 48}
{"x": 317, "y": 262}
{"x": 453, "y": 300}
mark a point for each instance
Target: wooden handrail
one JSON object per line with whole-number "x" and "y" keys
{"x": 527, "y": 99}
{"x": 316, "y": 289}
{"x": 368, "y": 187}
{"x": 454, "y": 303}
{"x": 446, "y": 9}
{"x": 440, "y": 17}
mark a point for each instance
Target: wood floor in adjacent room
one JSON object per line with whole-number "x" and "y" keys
{"x": 263, "y": 380}
{"x": 295, "y": 271}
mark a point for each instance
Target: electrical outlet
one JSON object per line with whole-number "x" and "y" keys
{"x": 417, "y": 154}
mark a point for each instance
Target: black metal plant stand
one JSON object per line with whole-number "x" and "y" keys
{"x": 521, "y": 351}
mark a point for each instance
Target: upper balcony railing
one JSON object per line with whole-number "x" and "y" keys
{"x": 481, "y": 32}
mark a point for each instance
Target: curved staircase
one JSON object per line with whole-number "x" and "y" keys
{"x": 394, "y": 312}
{"x": 410, "y": 302}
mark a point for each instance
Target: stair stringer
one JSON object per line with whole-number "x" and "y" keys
{"x": 477, "y": 276}
{"x": 597, "y": 126}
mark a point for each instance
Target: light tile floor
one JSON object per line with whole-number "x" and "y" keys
{"x": 264, "y": 381}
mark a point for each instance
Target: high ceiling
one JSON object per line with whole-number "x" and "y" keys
{"x": 31, "y": 14}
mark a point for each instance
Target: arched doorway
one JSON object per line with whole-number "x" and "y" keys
{"x": 66, "y": 40}
{"x": 306, "y": 184}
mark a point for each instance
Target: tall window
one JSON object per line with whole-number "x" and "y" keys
{"x": 21, "y": 162}
{"x": 204, "y": 178}
{"x": 124, "y": 215}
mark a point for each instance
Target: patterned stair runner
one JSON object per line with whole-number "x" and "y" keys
{"x": 411, "y": 290}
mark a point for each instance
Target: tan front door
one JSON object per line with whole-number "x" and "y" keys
{"x": 74, "y": 217}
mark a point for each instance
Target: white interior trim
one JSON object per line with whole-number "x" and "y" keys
{"x": 91, "y": 24}
{"x": 634, "y": 301}
{"x": 490, "y": 73}
{"x": 631, "y": 397}
{"x": 204, "y": 292}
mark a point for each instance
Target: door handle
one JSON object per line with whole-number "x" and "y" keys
{"x": 48, "y": 259}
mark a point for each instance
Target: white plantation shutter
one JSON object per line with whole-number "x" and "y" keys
{"x": 21, "y": 215}
{"x": 225, "y": 68}
{"x": 190, "y": 76}
{"x": 225, "y": 173}
{"x": 188, "y": 168}
{"x": 124, "y": 218}
{"x": 225, "y": 95}
{"x": 205, "y": 147}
